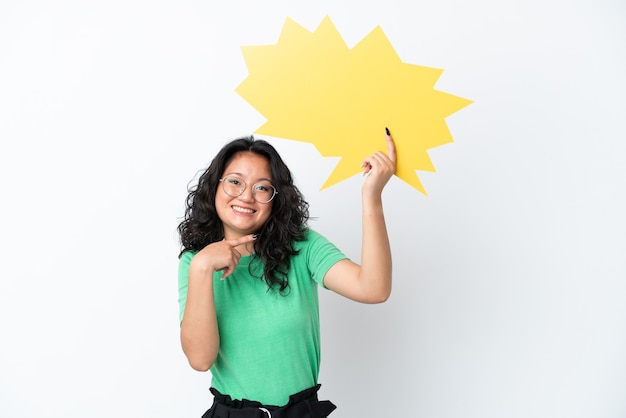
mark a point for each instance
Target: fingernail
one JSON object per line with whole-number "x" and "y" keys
{"x": 387, "y": 131}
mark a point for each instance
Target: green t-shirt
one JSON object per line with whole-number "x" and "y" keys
{"x": 269, "y": 344}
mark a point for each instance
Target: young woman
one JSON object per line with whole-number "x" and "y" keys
{"x": 249, "y": 272}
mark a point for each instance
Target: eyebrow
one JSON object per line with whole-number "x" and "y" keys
{"x": 241, "y": 175}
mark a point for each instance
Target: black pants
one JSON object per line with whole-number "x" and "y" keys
{"x": 303, "y": 404}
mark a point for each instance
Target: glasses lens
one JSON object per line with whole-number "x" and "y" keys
{"x": 263, "y": 192}
{"x": 233, "y": 186}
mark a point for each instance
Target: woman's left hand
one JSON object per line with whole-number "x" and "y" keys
{"x": 379, "y": 167}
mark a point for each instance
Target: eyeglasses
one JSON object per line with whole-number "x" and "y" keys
{"x": 262, "y": 192}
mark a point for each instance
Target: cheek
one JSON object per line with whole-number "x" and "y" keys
{"x": 220, "y": 203}
{"x": 267, "y": 211}
{"x": 221, "y": 197}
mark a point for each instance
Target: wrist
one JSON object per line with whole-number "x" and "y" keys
{"x": 201, "y": 267}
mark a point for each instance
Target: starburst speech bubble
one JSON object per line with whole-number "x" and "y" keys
{"x": 312, "y": 88}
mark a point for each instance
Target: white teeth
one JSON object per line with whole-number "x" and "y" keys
{"x": 243, "y": 210}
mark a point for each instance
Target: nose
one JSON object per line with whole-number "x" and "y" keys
{"x": 247, "y": 194}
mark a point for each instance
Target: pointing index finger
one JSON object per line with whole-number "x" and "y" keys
{"x": 391, "y": 146}
{"x": 243, "y": 240}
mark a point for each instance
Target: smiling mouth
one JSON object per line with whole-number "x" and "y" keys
{"x": 243, "y": 210}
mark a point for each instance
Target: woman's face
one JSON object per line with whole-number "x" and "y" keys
{"x": 243, "y": 215}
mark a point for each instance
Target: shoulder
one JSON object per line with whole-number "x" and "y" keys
{"x": 316, "y": 245}
{"x": 184, "y": 261}
{"x": 316, "y": 255}
{"x": 185, "y": 257}
{"x": 311, "y": 237}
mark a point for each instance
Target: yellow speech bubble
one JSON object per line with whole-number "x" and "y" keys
{"x": 312, "y": 88}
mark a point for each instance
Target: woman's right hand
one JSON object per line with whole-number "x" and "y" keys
{"x": 220, "y": 256}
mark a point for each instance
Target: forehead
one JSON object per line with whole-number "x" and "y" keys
{"x": 249, "y": 165}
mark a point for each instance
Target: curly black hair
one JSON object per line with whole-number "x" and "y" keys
{"x": 286, "y": 224}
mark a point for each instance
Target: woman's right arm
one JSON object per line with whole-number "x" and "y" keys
{"x": 199, "y": 334}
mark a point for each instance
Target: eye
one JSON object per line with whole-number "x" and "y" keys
{"x": 233, "y": 180}
{"x": 262, "y": 188}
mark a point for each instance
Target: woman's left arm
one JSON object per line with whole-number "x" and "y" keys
{"x": 369, "y": 282}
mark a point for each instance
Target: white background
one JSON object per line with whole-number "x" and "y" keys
{"x": 510, "y": 278}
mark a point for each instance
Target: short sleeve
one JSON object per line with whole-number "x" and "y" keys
{"x": 183, "y": 281}
{"x": 321, "y": 255}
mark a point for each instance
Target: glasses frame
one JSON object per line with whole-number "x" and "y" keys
{"x": 245, "y": 186}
